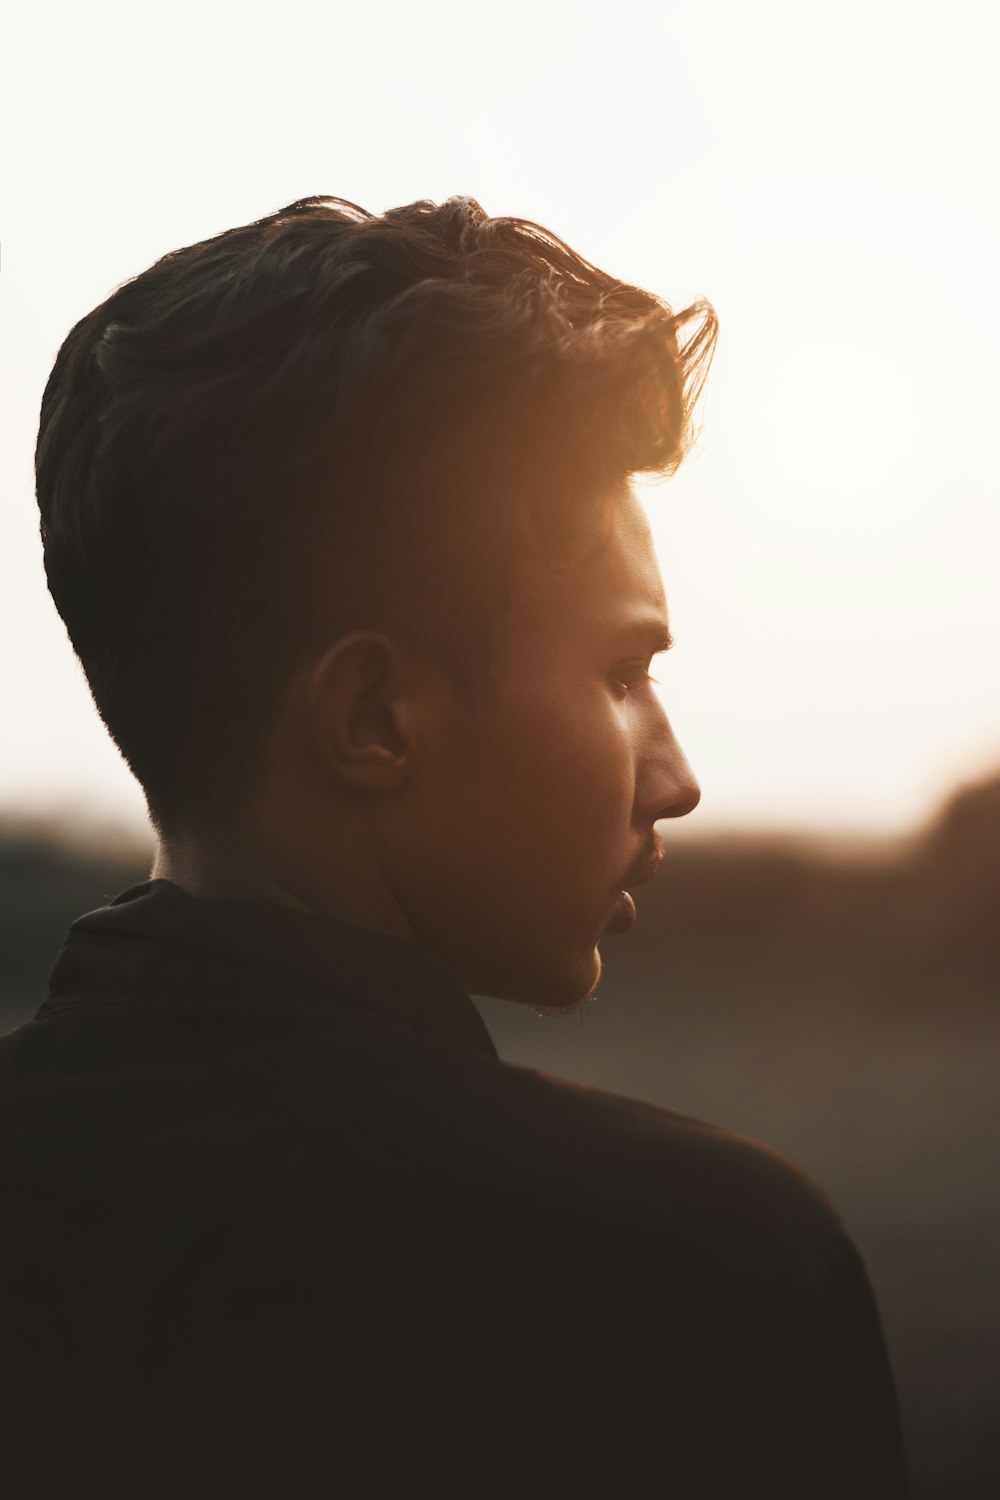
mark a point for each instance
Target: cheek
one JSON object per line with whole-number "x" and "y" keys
{"x": 572, "y": 773}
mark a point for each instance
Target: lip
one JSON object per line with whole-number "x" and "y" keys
{"x": 623, "y": 913}
{"x": 645, "y": 868}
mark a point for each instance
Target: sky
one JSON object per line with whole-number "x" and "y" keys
{"x": 826, "y": 176}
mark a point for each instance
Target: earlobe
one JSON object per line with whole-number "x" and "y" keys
{"x": 359, "y": 713}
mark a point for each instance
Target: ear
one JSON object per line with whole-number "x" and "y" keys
{"x": 361, "y": 720}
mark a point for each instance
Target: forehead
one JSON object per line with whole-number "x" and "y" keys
{"x": 605, "y": 586}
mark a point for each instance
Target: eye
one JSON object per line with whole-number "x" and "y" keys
{"x": 629, "y": 676}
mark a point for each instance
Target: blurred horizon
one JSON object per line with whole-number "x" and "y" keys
{"x": 103, "y": 827}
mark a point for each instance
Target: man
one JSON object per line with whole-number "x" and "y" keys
{"x": 336, "y": 509}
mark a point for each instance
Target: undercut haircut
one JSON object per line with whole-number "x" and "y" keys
{"x": 322, "y": 421}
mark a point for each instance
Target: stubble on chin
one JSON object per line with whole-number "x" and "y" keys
{"x": 567, "y": 1007}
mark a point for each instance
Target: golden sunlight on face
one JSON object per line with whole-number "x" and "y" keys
{"x": 552, "y": 784}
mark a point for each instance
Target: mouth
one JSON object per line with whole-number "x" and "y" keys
{"x": 623, "y": 912}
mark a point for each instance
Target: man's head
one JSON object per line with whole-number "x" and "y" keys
{"x": 334, "y": 509}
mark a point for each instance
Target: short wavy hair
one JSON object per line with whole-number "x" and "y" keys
{"x": 325, "y": 420}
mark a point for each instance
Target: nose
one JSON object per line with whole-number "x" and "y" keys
{"x": 667, "y": 786}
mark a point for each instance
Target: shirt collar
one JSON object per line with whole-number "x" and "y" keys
{"x": 156, "y": 939}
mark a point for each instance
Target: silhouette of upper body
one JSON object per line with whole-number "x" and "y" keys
{"x": 271, "y": 1199}
{"x": 338, "y": 511}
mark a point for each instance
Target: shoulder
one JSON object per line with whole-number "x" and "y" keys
{"x": 336, "y": 1103}
{"x": 652, "y": 1168}
{"x": 524, "y": 1145}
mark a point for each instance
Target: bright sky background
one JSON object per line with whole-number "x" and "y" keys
{"x": 826, "y": 175}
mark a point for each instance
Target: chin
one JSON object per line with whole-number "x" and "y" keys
{"x": 561, "y": 994}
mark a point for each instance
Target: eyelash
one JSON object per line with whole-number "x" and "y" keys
{"x": 626, "y": 681}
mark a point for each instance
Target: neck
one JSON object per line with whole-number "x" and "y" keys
{"x": 248, "y": 869}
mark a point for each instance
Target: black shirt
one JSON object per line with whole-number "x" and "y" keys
{"x": 273, "y": 1207}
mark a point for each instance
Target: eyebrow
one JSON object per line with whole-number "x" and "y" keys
{"x": 652, "y": 634}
